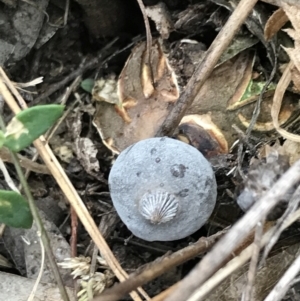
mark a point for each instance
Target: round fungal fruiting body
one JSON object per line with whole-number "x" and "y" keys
{"x": 163, "y": 189}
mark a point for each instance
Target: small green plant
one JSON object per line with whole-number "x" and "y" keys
{"x": 21, "y": 131}
{"x": 87, "y": 85}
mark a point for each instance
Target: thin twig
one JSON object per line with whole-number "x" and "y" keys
{"x": 67, "y": 6}
{"x": 24, "y": 162}
{"x": 241, "y": 229}
{"x": 254, "y": 262}
{"x": 74, "y": 228}
{"x": 206, "y": 66}
{"x": 148, "y": 35}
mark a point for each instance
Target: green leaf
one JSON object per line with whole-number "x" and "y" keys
{"x": 87, "y": 85}
{"x": 14, "y": 210}
{"x": 254, "y": 89}
{"x": 30, "y": 124}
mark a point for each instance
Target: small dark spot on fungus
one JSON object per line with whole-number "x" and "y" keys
{"x": 207, "y": 183}
{"x": 183, "y": 193}
{"x": 178, "y": 170}
{"x": 153, "y": 151}
{"x": 138, "y": 173}
{"x": 157, "y": 160}
{"x": 162, "y": 139}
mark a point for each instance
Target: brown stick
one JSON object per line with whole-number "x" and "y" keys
{"x": 163, "y": 295}
{"x": 24, "y": 162}
{"x": 226, "y": 245}
{"x": 205, "y": 68}
{"x": 158, "y": 267}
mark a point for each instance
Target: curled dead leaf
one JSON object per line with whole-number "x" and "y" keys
{"x": 275, "y": 23}
{"x": 202, "y": 133}
{"x": 264, "y": 123}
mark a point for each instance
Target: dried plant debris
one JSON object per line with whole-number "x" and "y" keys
{"x": 200, "y": 132}
{"x": 288, "y": 113}
{"x": 162, "y": 18}
{"x": 145, "y": 93}
{"x": 267, "y": 276}
{"x": 293, "y": 13}
{"x": 62, "y": 149}
{"x": 87, "y": 154}
{"x": 20, "y": 28}
{"x": 255, "y": 23}
{"x": 262, "y": 176}
{"x": 289, "y": 149}
{"x": 83, "y": 147}
{"x": 94, "y": 283}
{"x": 275, "y": 23}
{"x": 191, "y": 17}
{"x": 217, "y": 92}
{"x": 290, "y": 73}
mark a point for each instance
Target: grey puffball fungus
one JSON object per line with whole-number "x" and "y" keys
{"x": 163, "y": 189}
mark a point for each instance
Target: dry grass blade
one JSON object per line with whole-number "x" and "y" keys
{"x": 67, "y": 187}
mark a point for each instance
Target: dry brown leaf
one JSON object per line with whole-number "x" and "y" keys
{"x": 275, "y": 23}
{"x": 264, "y": 122}
{"x": 292, "y": 150}
{"x": 293, "y": 14}
{"x": 296, "y": 79}
{"x": 162, "y": 18}
{"x": 203, "y": 134}
{"x": 143, "y": 103}
{"x": 277, "y": 101}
